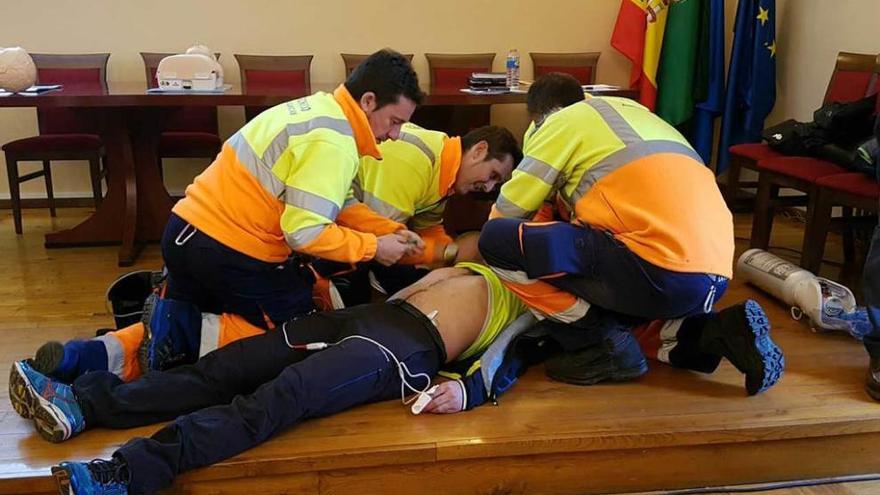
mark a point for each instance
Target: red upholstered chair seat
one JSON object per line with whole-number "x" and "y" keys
{"x": 808, "y": 169}
{"x": 755, "y": 151}
{"x": 55, "y": 142}
{"x": 854, "y": 183}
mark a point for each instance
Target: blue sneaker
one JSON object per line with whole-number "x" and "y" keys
{"x": 172, "y": 334}
{"x": 52, "y": 405}
{"x": 143, "y": 354}
{"x": 18, "y": 393}
{"x": 98, "y": 477}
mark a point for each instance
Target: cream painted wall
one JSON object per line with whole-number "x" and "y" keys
{"x": 323, "y": 29}
{"x": 811, "y": 32}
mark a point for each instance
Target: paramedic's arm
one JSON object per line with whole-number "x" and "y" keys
{"x": 537, "y": 175}
{"x": 313, "y": 198}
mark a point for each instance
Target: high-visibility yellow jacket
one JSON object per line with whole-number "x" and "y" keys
{"x": 280, "y": 182}
{"x": 412, "y": 183}
{"x": 620, "y": 168}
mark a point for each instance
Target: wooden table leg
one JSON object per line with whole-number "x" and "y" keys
{"x": 137, "y": 205}
{"x": 107, "y": 225}
{"x": 152, "y": 200}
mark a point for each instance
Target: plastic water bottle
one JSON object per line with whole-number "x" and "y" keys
{"x": 513, "y": 69}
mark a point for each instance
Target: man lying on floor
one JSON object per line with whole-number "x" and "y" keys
{"x": 312, "y": 367}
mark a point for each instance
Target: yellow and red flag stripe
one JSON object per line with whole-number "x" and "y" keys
{"x": 638, "y": 35}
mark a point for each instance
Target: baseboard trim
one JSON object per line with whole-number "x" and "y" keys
{"x": 65, "y": 202}
{"x": 82, "y": 202}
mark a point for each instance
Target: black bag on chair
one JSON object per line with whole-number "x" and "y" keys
{"x": 795, "y": 138}
{"x": 847, "y": 124}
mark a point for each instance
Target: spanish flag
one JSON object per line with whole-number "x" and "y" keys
{"x": 638, "y": 35}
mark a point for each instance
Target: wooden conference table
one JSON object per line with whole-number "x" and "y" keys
{"x": 130, "y": 120}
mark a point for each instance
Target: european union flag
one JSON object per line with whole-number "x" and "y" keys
{"x": 751, "y": 78}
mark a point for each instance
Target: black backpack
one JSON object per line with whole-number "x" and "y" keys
{"x": 847, "y": 124}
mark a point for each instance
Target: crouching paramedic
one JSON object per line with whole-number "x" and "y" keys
{"x": 418, "y": 173}
{"x": 697, "y": 342}
{"x": 649, "y": 238}
{"x": 276, "y": 189}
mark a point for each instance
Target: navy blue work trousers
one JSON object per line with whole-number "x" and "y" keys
{"x": 597, "y": 268}
{"x": 249, "y": 390}
{"x": 218, "y": 279}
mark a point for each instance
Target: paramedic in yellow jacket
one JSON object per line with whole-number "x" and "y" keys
{"x": 418, "y": 173}
{"x": 279, "y": 187}
{"x": 697, "y": 342}
{"x": 650, "y": 236}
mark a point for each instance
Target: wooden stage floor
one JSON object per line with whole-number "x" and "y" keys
{"x": 669, "y": 429}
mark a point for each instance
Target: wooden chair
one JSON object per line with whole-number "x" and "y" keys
{"x": 851, "y": 191}
{"x": 853, "y": 77}
{"x": 352, "y": 60}
{"x": 287, "y": 75}
{"x": 580, "y": 65}
{"x": 64, "y": 133}
{"x": 790, "y": 172}
{"x": 189, "y": 132}
{"x": 448, "y": 73}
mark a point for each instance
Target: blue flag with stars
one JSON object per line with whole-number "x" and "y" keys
{"x": 751, "y": 78}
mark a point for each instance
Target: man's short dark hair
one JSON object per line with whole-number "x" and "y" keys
{"x": 389, "y": 75}
{"x": 553, "y": 90}
{"x": 501, "y": 143}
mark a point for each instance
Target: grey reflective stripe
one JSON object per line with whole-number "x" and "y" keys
{"x": 418, "y": 143}
{"x": 383, "y": 208}
{"x": 210, "y": 338}
{"x": 626, "y": 155}
{"x": 539, "y": 169}
{"x": 350, "y": 202}
{"x": 280, "y": 141}
{"x": 303, "y": 236}
{"x": 615, "y": 121}
{"x": 574, "y": 313}
{"x": 262, "y": 172}
{"x": 357, "y": 189}
{"x": 261, "y": 166}
{"x": 508, "y": 209}
{"x": 311, "y": 202}
{"x": 115, "y": 354}
{"x": 427, "y": 218}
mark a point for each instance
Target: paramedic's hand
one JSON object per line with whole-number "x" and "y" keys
{"x": 390, "y": 248}
{"x": 416, "y": 244}
{"x": 447, "y": 399}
